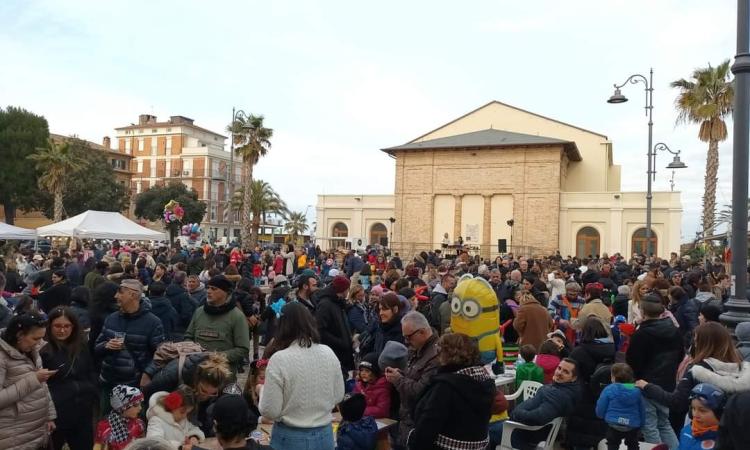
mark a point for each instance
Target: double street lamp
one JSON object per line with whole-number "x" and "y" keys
{"x": 618, "y": 97}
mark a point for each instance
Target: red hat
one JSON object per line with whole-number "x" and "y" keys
{"x": 340, "y": 284}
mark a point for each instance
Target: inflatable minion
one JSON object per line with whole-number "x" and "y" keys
{"x": 475, "y": 312}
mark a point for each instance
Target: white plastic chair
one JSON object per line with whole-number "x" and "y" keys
{"x": 527, "y": 388}
{"x": 548, "y": 444}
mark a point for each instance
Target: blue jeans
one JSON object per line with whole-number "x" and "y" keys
{"x": 495, "y": 431}
{"x": 285, "y": 437}
{"x": 657, "y": 429}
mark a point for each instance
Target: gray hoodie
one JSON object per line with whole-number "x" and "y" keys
{"x": 706, "y": 298}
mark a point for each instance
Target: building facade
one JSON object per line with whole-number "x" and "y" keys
{"x": 179, "y": 150}
{"x": 353, "y": 221}
{"x": 504, "y": 179}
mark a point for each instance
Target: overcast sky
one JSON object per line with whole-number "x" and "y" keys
{"x": 339, "y": 80}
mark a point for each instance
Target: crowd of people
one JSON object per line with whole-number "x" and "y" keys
{"x": 108, "y": 345}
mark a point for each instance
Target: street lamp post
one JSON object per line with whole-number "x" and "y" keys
{"x": 392, "y": 220}
{"x": 738, "y": 307}
{"x": 617, "y": 97}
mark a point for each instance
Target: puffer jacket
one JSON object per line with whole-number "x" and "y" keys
{"x": 161, "y": 424}
{"x": 162, "y": 308}
{"x": 378, "y": 397}
{"x": 144, "y": 332}
{"x": 621, "y": 404}
{"x": 183, "y": 304}
{"x": 25, "y": 403}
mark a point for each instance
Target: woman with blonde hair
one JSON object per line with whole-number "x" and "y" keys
{"x": 639, "y": 290}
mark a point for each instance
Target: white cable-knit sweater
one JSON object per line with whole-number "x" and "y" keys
{"x": 302, "y": 386}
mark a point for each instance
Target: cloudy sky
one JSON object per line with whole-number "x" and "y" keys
{"x": 339, "y": 80}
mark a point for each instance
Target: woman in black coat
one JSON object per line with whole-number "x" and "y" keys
{"x": 388, "y": 328}
{"x": 73, "y": 387}
{"x": 57, "y": 295}
{"x": 595, "y": 350}
{"x": 455, "y": 407}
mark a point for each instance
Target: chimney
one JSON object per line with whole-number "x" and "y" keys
{"x": 145, "y": 119}
{"x": 107, "y": 143}
{"x": 180, "y": 120}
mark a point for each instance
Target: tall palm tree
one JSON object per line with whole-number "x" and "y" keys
{"x": 296, "y": 224}
{"x": 706, "y": 99}
{"x": 55, "y": 162}
{"x": 252, "y": 140}
{"x": 263, "y": 201}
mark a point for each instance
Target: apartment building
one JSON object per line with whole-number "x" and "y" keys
{"x": 177, "y": 149}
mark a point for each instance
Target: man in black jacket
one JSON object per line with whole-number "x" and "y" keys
{"x": 128, "y": 341}
{"x": 550, "y": 402}
{"x": 333, "y": 324}
{"x": 654, "y": 353}
{"x": 181, "y": 301}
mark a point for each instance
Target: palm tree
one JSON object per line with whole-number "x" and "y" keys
{"x": 725, "y": 215}
{"x": 296, "y": 224}
{"x": 706, "y": 99}
{"x": 55, "y": 163}
{"x": 263, "y": 201}
{"x": 252, "y": 141}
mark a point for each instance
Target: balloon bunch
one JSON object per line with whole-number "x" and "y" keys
{"x": 191, "y": 230}
{"x": 173, "y": 212}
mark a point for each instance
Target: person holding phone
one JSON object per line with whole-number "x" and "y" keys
{"x": 27, "y": 414}
{"x": 73, "y": 387}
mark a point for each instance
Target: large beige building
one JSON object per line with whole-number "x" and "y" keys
{"x": 179, "y": 150}
{"x": 556, "y": 183}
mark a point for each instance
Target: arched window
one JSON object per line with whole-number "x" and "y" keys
{"x": 378, "y": 234}
{"x": 340, "y": 230}
{"x": 587, "y": 242}
{"x": 640, "y": 244}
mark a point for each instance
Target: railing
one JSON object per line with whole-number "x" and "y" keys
{"x": 410, "y": 249}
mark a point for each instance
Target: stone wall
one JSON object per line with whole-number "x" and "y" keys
{"x": 531, "y": 174}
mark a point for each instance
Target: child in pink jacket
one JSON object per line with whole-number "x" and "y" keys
{"x": 373, "y": 385}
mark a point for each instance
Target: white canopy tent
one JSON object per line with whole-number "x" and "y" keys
{"x": 101, "y": 225}
{"x": 16, "y": 233}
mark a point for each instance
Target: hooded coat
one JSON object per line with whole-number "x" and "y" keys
{"x": 162, "y": 308}
{"x": 333, "y": 325}
{"x": 622, "y": 405}
{"x": 655, "y": 352}
{"x": 455, "y": 406}
{"x": 161, "y": 424}
{"x": 25, "y": 403}
{"x": 182, "y": 303}
{"x": 532, "y": 323}
{"x": 729, "y": 377}
{"x": 144, "y": 332}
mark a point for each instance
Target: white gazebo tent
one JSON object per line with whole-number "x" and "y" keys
{"x": 100, "y": 225}
{"x": 16, "y": 233}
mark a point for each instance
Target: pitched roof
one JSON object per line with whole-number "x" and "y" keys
{"x": 59, "y": 138}
{"x": 490, "y": 138}
{"x": 512, "y": 107}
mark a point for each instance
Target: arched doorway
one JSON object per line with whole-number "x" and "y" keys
{"x": 340, "y": 230}
{"x": 378, "y": 234}
{"x": 587, "y": 242}
{"x": 640, "y": 244}
{"x": 339, "y": 233}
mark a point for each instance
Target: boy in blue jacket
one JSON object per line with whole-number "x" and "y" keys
{"x": 355, "y": 432}
{"x": 621, "y": 406}
{"x": 706, "y": 405}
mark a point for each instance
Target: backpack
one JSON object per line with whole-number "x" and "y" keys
{"x": 169, "y": 351}
{"x": 601, "y": 377}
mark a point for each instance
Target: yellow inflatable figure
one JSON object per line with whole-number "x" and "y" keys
{"x": 475, "y": 312}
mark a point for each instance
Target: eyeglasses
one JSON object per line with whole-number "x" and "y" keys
{"x": 410, "y": 335}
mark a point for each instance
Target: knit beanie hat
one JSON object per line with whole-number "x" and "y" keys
{"x": 340, "y": 284}
{"x": 711, "y": 397}
{"x": 220, "y": 282}
{"x": 353, "y": 406}
{"x": 394, "y": 354}
{"x": 742, "y": 331}
{"x": 370, "y": 362}
{"x": 123, "y": 397}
